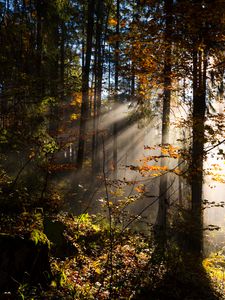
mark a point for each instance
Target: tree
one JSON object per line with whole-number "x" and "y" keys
{"x": 201, "y": 30}
{"x": 117, "y": 50}
{"x": 85, "y": 82}
{"x": 161, "y": 221}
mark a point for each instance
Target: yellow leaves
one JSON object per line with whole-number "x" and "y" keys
{"x": 158, "y": 168}
{"x": 217, "y": 167}
{"x": 145, "y": 168}
{"x": 140, "y": 188}
{"x": 76, "y": 99}
{"x": 214, "y": 267}
{"x": 170, "y": 151}
{"x": 95, "y": 265}
{"x": 218, "y": 178}
{"x": 53, "y": 284}
{"x": 216, "y": 171}
{"x": 153, "y": 170}
{"x": 164, "y": 151}
{"x": 177, "y": 171}
{"x": 74, "y": 117}
{"x": 112, "y": 22}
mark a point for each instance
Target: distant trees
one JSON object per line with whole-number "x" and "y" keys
{"x": 37, "y": 72}
{"x": 37, "y": 57}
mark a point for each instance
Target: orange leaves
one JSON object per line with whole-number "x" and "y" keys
{"x": 216, "y": 172}
{"x": 170, "y": 151}
{"x": 217, "y": 167}
{"x": 153, "y": 170}
{"x": 147, "y": 168}
{"x": 218, "y": 178}
{"x": 140, "y": 188}
{"x": 177, "y": 171}
{"x": 76, "y": 99}
{"x": 167, "y": 150}
{"x": 112, "y": 22}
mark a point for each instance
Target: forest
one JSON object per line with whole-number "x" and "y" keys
{"x": 112, "y": 149}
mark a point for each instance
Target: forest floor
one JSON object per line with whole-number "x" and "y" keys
{"x": 91, "y": 260}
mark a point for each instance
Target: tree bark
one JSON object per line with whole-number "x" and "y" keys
{"x": 198, "y": 115}
{"x": 161, "y": 222}
{"x": 85, "y": 85}
{"x": 99, "y": 57}
{"x": 115, "y": 154}
{"x": 62, "y": 59}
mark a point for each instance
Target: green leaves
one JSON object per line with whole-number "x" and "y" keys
{"x": 38, "y": 237}
{"x": 3, "y": 136}
{"x": 46, "y": 103}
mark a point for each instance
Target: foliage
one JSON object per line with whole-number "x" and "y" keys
{"x": 215, "y": 267}
{"x": 86, "y": 275}
{"x": 38, "y": 236}
{"x": 59, "y": 59}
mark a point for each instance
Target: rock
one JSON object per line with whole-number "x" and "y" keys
{"x": 21, "y": 260}
{"x": 54, "y": 231}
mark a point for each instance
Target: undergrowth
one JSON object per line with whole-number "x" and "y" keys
{"x": 119, "y": 266}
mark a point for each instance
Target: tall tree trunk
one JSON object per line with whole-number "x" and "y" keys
{"x": 53, "y": 46}
{"x": 161, "y": 222}
{"x": 132, "y": 89}
{"x": 62, "y": 59}
{"x": 40, "y": 83}
{"x": 198, "y": 115}
{"x": 115, "y": 156}
{"x": 99, "y": 56}
{"x": 85, "y": 84}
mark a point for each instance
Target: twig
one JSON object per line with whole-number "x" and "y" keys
{"x": 46, "y": 179}
{"x": 20, "y": 171}
{"x": 145, "y": 208}
{"x": 110, "y": 219}
{"x": 219, "y": 143}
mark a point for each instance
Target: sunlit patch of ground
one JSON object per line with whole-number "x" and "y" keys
{"x": 215, "y": 268}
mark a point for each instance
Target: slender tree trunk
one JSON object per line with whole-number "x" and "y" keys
{"x": 62, "y": 59}
{"x": 132, "y": 92}
{"x": 53, "y": 68}
{"x": 40, "y": 83}
{"x": 161, "y": 222}
{"x": 115, "y": 146}
{"x": 99, "y": 56}
{"x": 85, "y": 85}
